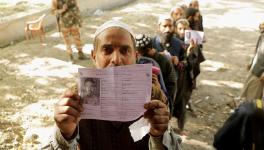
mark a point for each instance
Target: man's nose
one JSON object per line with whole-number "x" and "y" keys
{"x": 182, "y": 31}
{"x": 116, "y": 58}
{"x": 167, "y": 29}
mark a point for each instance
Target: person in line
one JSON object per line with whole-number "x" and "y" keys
{"x": 255, "y": 80}
{"x": 144, "y": 48}
{"x": 177, "y": 13}
{"x": 243, "y": 130}
{"x": 114, "y": 45}
{"x": 199, "y": 20}
{"x": 186, "y": 75}
{"x": 165, "y": 43}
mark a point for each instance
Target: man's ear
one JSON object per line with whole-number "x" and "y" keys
{"x": 137, "y": 54}
{"x": 93, "y": 54}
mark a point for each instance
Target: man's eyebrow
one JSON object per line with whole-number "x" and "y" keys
{"x": 113, "y": 45}
{"x": 125, "y": 46}
{"x": 107, "y": 45}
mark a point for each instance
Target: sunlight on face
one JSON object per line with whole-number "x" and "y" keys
{"x": 115, "y": 48}
{"x": 181, "y": 30}
{"x": 166, "y": 26}
{"x": 177, "y": 14}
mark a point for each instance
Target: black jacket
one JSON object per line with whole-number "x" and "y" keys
{"x": 244, "y": 130}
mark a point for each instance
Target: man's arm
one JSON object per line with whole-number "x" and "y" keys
{"x": 155, "y": 143}
{"x": 55, "y": 10}
{"x": 58, "y": 142}
{"x": 170, "y": 80}
{"x": 67, "y": 116}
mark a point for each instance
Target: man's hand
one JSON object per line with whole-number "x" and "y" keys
{"x": 158, "y": 115}
{"x": 193, "y": 43}
{"x": 67, "y": 113}
{"x": 155, "y": 80}
{"x": 64, "y": 8}
{"x": 175, "y": 60}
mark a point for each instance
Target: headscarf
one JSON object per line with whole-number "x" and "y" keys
{"x": 190, "y": 12}
{"x": 114, "y": 23}
{"x": 143, "y": 42}
{"x": 163, "y": 18}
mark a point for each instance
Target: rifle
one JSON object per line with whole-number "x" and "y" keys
{"x": 58, "y": 22}
{"x": 58, "y": 17}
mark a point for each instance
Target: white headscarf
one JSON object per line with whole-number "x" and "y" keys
{"x": 114, "y": 23}
{"x": 163, "y": 18}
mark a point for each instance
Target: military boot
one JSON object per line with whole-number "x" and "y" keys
{"x": 71, "y": 59}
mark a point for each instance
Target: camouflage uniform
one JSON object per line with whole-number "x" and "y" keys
{"x": 70, "y": 21}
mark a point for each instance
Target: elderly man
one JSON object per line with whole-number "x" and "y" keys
{"x": 114, "y": 45}
{"x": 166, "y": 43}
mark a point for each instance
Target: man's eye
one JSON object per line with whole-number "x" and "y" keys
{"x": 107, "y": 50}
{"x": 124, "y": 50}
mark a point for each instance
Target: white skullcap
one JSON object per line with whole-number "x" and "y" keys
{"x": 113, "y": 23}
{"x": 163, "y": 18}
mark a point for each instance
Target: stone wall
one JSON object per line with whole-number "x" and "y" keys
{"x": 13, "y": 30}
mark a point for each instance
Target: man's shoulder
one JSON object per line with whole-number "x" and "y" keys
{"x": 156, "y": 39}
{"x": 146, "y": 60}
{"x": 162, "y": 58}
{"x": 249, "y": 108}
{"x": 176, "y": 40}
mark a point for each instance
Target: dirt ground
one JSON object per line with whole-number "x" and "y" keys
{"x": 33, "y": 75}
{"x": 18, "y": 8}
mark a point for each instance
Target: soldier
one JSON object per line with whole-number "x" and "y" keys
{"x": 69, "y": 22}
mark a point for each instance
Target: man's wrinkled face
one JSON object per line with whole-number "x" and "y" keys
{"x": 166, "y": 27}
{"x": 177, "y": 14}
{"x": 181, "y": 30}
{"x": 115, "y": 47}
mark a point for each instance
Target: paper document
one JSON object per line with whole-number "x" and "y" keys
{"x": 115, "y": 93}
{"x": 139, "y": 129}
{"x": 197, "y": 36}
